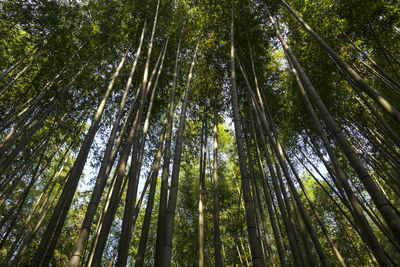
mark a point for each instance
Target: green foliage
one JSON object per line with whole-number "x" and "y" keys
{"x": 65, "y": 53}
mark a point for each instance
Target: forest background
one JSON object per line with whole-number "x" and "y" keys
{"x": 210, "y": 133}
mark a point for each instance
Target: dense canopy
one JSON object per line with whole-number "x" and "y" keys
{"x": 202, "y": 132}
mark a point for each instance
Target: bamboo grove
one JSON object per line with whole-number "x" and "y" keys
{"x": 209, "y": 133}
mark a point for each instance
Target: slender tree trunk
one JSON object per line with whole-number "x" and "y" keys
{"x": 31, "y": 234}
{"x": 244, "y": 252}
{"x": 217, "y": 234}
{"x": 316, "y": 215}
{"x": 35, "y": 175}
{"x": 23, "y": 115}
{"x": 386, "y": 53}
{"x": 203, "y": 156}
{"x": 16, "y": 63}
{"x": 25, "y": 138}
{"x": 7, "y": 191}
{"x": 346, "y": 68}
{"x": 386, "y": 76}
{"x": 102, "y": 177}
{"x": 166, "y": 249}
{"x": 166, "y": 163}
{"x": 303, "y": 234}
{"x": 150, "y": 201}
{"x": 257, "y": 203}
{"x": 68, "y": 192}
{"x": 386, "y": 127}
{"x": 298, "y": 257}
{"x": 269, "y": 201}
{"x": 381, "y": 202}
{"x": 239, "y": 255}
{"x": 288, "y": 227}
{"x": 113, "y": 155}
{"x": 95, "y": 259}
{"x": 330, "y": 196}
{"x": 344, "y": 200}
{"x": 52, "y": 181}
{"x": 305, "y": 251}
{"x": 18, "y": 75}
{"x": 358, "y": 216}
{"x": 126, "y": 230}
{"x": 257, "y": 255}
{"x": 112, "y": 208}
{"x": 100, "y": 221}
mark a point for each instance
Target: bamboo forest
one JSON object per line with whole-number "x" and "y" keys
{"x": 200, "y": 133}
